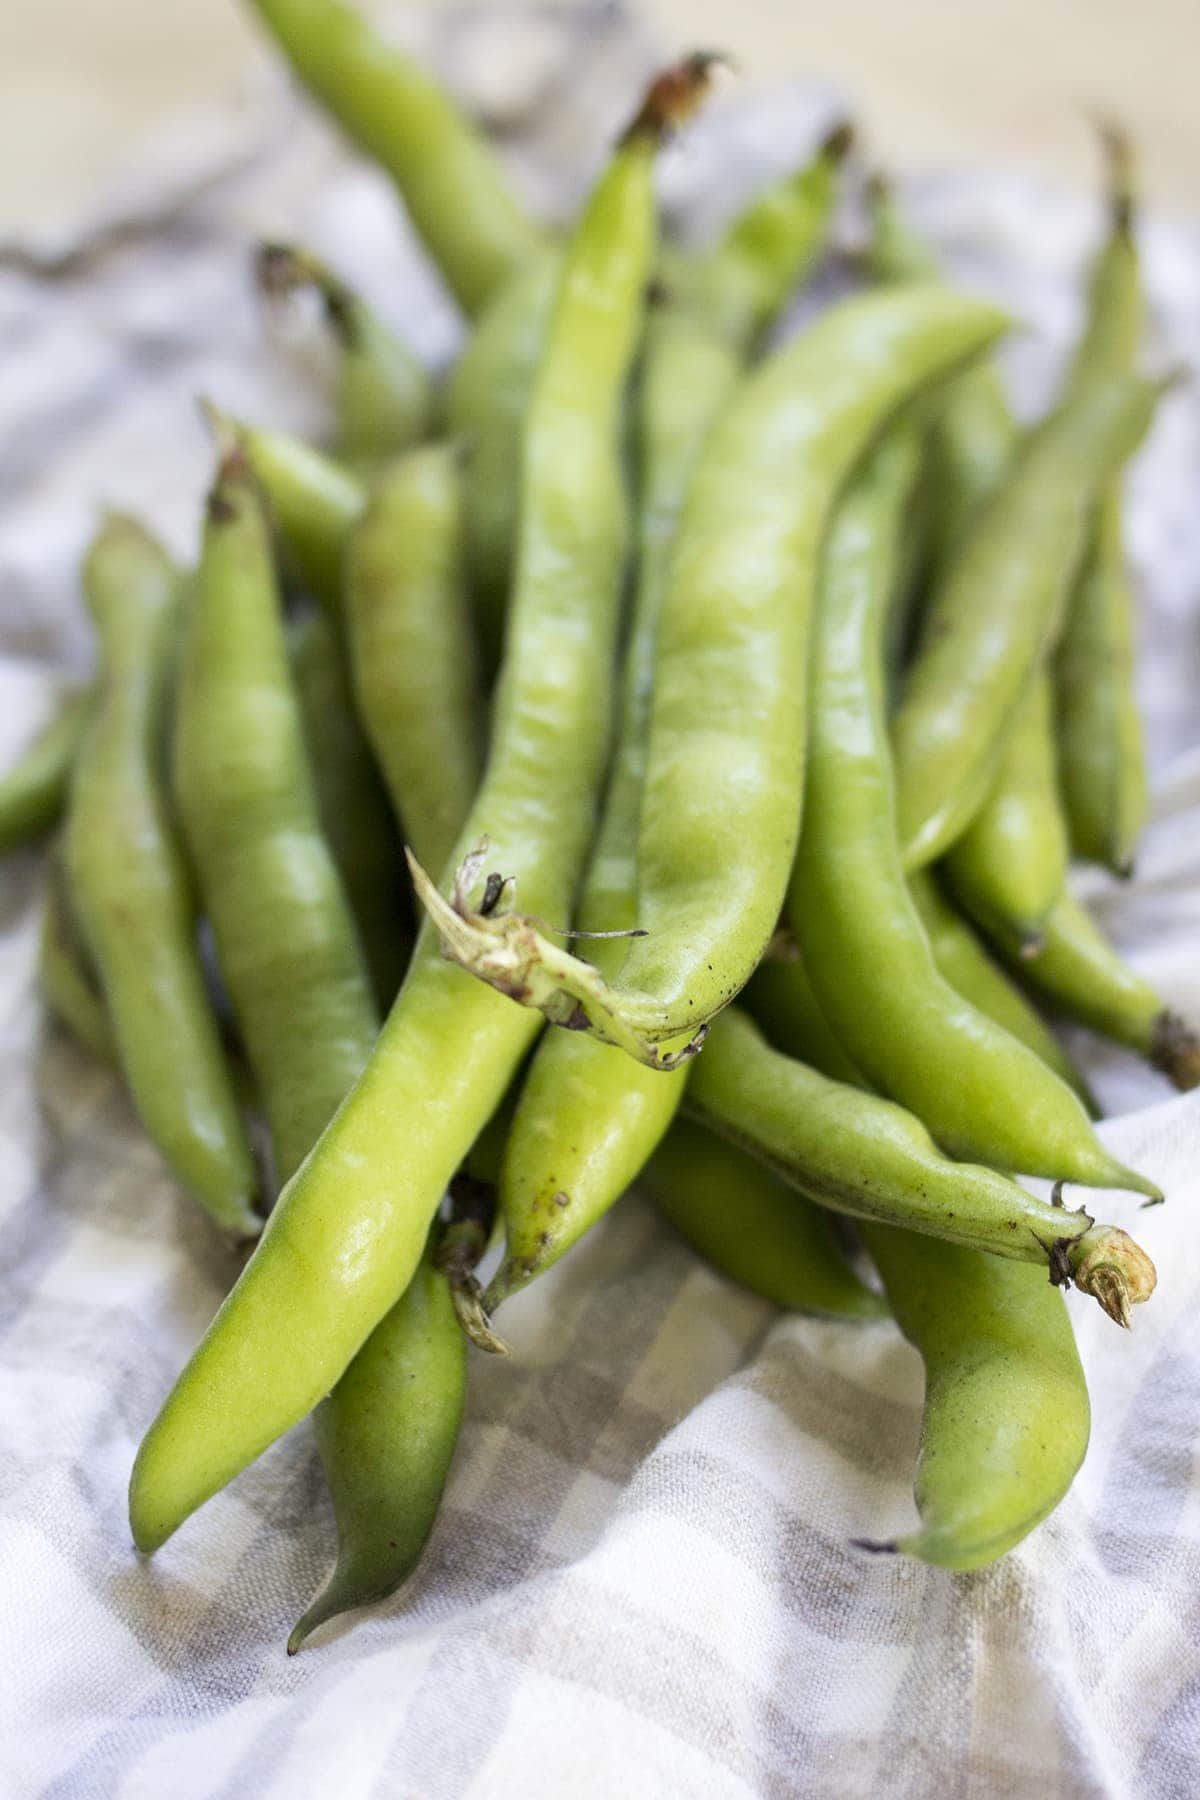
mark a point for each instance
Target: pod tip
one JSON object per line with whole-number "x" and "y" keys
{"x": 674, "y": 95}
{"x": 1175, "y": 1050}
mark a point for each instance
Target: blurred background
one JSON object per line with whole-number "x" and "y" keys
{"x": 82, "y": 83}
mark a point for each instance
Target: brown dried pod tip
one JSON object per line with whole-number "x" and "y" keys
{"x": 674, "y": 95}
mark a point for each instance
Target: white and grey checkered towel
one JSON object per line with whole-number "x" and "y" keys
{"x": 641, "y": 1583}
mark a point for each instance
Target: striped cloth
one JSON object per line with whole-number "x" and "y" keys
{"x": 642, "y": 1582}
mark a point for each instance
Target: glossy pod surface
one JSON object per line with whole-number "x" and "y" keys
{"x": 349, "y": 1229}
{"x": 997, "y": 609}
{"x": 981, "y": 1092}
{"x": 1006, "y": 1416}
{"x": 860, "y": 1154}
{"x": 130, "y": 888}
{"x": 286, "y": 941}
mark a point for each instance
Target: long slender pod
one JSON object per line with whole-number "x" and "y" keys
{"x": 871, "y": 1159}
{"x": 131, "y": 891}
{"x": 286, "y": 941}
{"x": 452, "y": 185}
{"x": 997, "y": 609}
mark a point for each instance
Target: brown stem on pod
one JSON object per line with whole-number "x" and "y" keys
{"x": 673, "y": 96}
{"x": 1175, "y": 1049}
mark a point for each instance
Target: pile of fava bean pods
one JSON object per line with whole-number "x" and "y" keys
{"x": 577, "y": 630}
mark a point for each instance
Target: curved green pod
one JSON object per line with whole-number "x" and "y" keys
{"x": 33, "y": 792}
{"x": 383, "y": 392}
{"x": 387, "y": 1435}
{"x": 455, "y": 190}
{"x": 286, "y": 942}
{"x": 997, "y": 609}
{"x": 1078, "y": 972}
{"x": 131, "y": 891}
{"x": 869, "y": 1158}
{"x": 748, "y": 1223}
{"x": 1006, "y": 1417}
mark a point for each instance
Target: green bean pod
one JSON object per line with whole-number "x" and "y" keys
{"x": 314, "y": 502}
{"x": 130, "y": 888}
{"x": 1006, "y": 1417}
{"x": 33, "y": 793}
{"x": 972, "y": 434}
{"x": 997, "y": 609}
{"x": 781, "y": 1001}
{"x": 750, "y": 1225}
{"x": 1100, "y": 743}
{"x": 412, "y": 648}
{"x": 1078, "y": 972}
{"x": 286, "y": 942}
{"x": 737, "y": 288}
{"x": 871, "y": 1159}
{"x": 963, "y": 962}
{"x": 350, "y": 1228}
{"x": 1101, "y": 752}
{"x": 1115, "y": 303}
{"x": 455, "y": 191}
{"x": 982, "y": 1093}
{"x": 487, "y": 398}
{"x": 352, "y": 802}
{"x": 384, "y": 396}
{"x": 1009, "y": 867}
{"x": 387, "y": 1435}
{"x": 724, "y": 775}
{"x": 68, "y": 984}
